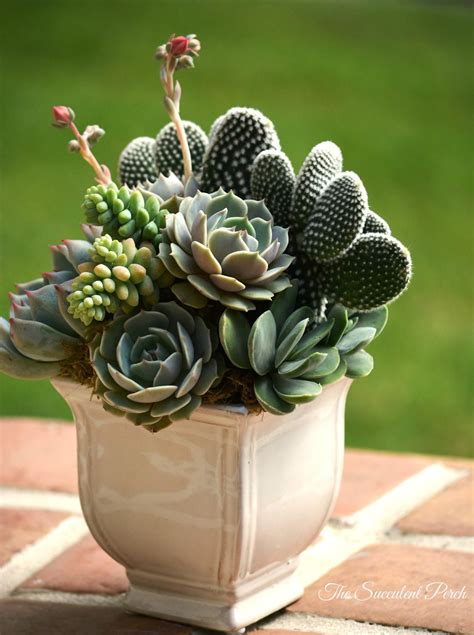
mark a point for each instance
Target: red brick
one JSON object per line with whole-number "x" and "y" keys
{"x": 38, "y": 454}
{"x": 20, "y": 617}
{"x": 84, "y": 568}
{"x": 390, "y": 568}
{"x": 450, "y": 512}
{"x": 20, "y": 527}
{"x": 368, "y": 475}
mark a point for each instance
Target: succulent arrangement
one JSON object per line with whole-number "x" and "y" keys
{"x": 210, "y": 272}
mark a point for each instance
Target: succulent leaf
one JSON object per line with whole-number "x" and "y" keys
{"x": 377, "y": 319}
{"x": 269, "y": 399}
{"x": 234, "y": 331}
{"x": 261, "y": 343}
{"x": 338, "y": 313}
{"x": 359, "y": 364}
{"x": 331, "y": 378}
{"x": 355, "y": 340}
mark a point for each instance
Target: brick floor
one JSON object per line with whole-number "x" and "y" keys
{"x": 350, "y": 590}
{"x": 26, "y": 455}
{"x": 451, "y": 512}
{"x": 369, "y": 475}
{"x": 68, "y": 582}
{"x": 84, "y": 568}
{"x": 21, "y": 527}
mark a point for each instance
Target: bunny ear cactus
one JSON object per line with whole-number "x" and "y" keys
{"x": 273, "y": 179}
{"x": 137, "y": 162}
{"x": 375, "y": 224}
{"x": 337, "y": 218}
{"x": 375, "y": 270}
{"x": 236, "y": 141}
{"x": 226, "y": 250}
{"x": 155, "y": 367}
{"x": 322, "y": 164}
{"x": 118, "y": 275}
{"x": 168, "y": 155}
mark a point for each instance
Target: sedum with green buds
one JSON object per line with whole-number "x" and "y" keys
{"x": 125, "y": 213}
{"x": 118, "y": 275}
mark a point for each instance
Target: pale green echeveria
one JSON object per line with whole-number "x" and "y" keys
{"x": 155, "y": 367}
{"x": 226, "y": 250}
{"x": 118, "y": 275}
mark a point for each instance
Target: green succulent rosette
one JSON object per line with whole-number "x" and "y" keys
{"x": 226, "y": 250}
{"x": 292, "y": 357}
{"x": 118, "y": 275}
{"x": 155, "y": 367}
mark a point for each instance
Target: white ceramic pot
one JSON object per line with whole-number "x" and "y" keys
{"x": 210, "y": 515}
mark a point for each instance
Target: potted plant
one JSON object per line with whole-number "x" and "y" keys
{"x": 225, "y": 303}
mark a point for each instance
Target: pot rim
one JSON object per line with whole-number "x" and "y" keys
{"x": 234, "y": 409}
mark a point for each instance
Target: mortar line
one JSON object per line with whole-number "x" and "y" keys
{"x": 40, "y": 553}
{"x": 11, "y": 497}
{"x": 345, "y": 536}
{"x": 65, "y": 597}
{"x": 432, "y": 541}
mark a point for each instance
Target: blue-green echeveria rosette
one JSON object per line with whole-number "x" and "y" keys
{"x": 224, "y": 249}
{"x": 41, "y": 338}
{"x": 155, "y": 366}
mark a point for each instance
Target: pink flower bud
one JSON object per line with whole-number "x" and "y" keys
{"x": 178, "y": 45}
{"x": 62, "y": 116}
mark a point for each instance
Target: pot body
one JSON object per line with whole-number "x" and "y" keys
{"x": 210, "y": 515}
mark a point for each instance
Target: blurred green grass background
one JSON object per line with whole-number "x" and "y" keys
{"x": 390, "y": 83}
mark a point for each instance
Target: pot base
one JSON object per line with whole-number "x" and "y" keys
{"x": 214, "y": 614}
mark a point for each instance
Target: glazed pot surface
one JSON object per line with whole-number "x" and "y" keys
{"x": 211, "y": 513}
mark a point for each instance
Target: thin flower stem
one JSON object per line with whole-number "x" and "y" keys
{"x": 178, "y": 123}
{"x": 87, "y": 155}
